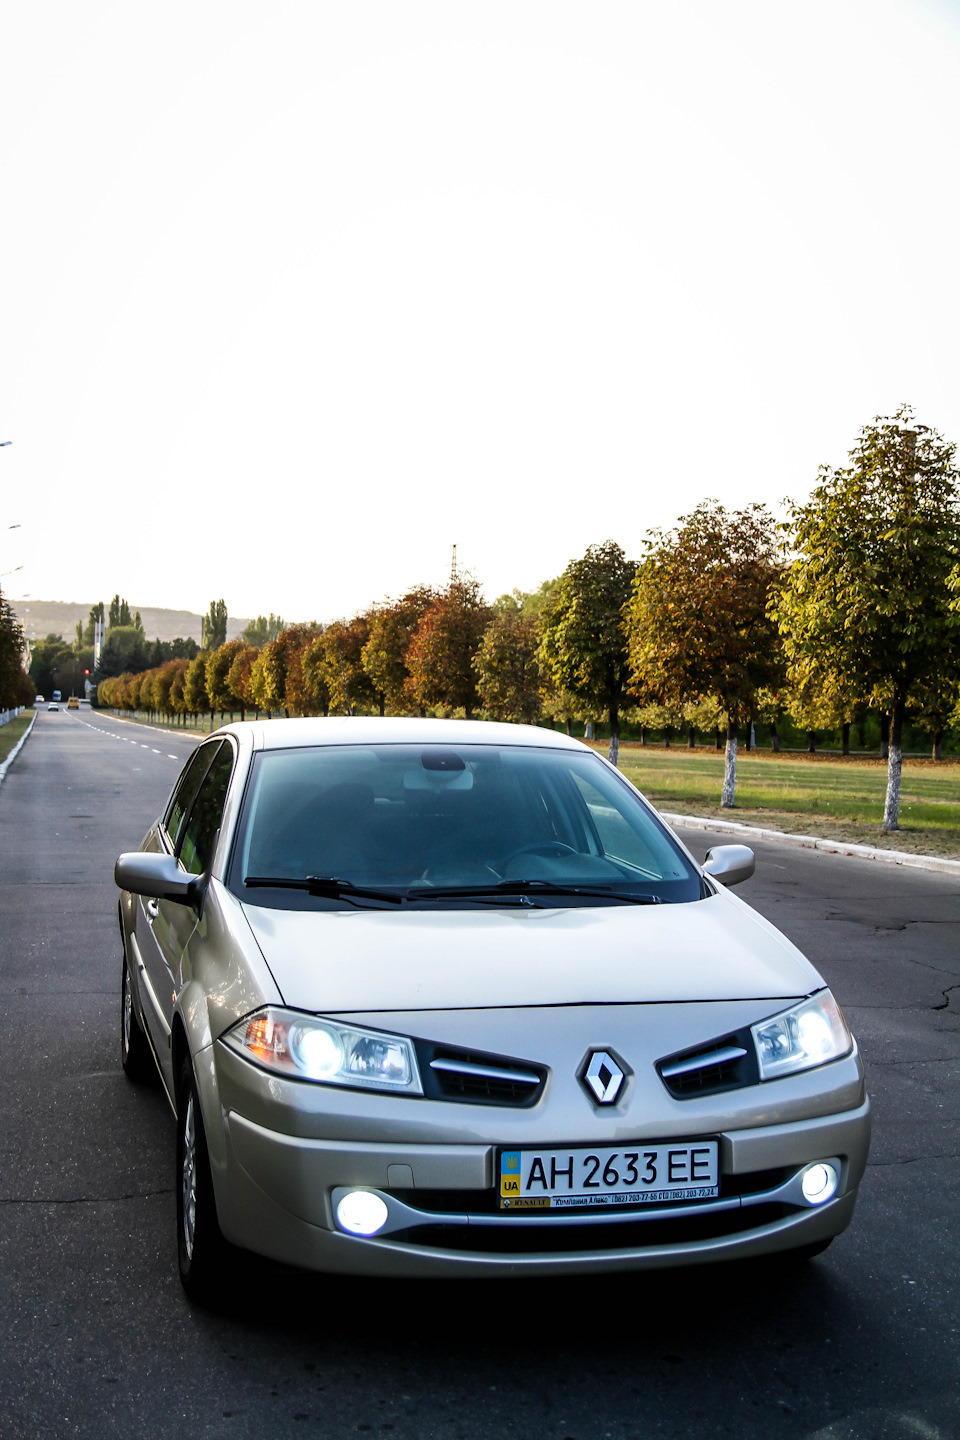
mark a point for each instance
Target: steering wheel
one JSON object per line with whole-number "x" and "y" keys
{"x": 539, "y": 847}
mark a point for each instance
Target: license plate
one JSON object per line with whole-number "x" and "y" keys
{"x": 579, "y": 1177}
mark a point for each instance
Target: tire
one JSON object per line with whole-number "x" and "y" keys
{"x": 201, "y": 1248}
{"x": 136, "y": 1056}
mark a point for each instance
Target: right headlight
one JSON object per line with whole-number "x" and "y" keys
{"x": 310, "y": 1047}
{"x": 808, "y": 1034}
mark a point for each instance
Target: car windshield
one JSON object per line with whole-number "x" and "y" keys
{"x": 428, "y": 824}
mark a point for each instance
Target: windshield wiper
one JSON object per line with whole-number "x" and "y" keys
{"x": 526, "y": 887}
{"x": 324, "y": 885}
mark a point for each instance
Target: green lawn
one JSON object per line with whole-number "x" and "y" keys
{"x": 11, "y": 732}
{"x": 819, "y": 794}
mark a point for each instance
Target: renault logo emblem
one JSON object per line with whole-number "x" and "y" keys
{"x": 603, "y": 1077}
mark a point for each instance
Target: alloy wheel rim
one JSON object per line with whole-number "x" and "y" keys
{"x": 188, "y": 1178}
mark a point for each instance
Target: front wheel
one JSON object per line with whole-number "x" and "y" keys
{"x": 200, "y": 1244}
{"x": 135, "y": 1053}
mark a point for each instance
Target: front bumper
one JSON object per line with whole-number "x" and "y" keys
{"x": 434, "y": 1167}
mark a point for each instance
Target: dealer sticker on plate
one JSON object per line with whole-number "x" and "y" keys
{"x": 577, "y": 1178}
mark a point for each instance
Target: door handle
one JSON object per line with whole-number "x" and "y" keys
{"x": 152, "y": 908}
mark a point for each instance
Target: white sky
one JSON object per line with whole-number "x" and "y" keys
{"x": 296, "y": 295}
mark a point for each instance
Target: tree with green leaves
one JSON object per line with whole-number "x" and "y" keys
{"x": 508, "y": 665}
{"x": 697, "y": 622}
{"x": 47, "y": 656}
{"x": 219, "y": 664}
{"x": 261, "y": 631}
{"x": 584, "y": 647}
{"x": 124, "y": 650}
{"x": 214, "y": 626}
{"x": 85, "y": 633}
{"x": 119, "y": 614}
{"x": 195, "y": 697}
{"x": 867, "y": 599}
{"x": 16, "y": 687}
{"x": 277, "y": 680}
{"x": 442, "y": 648}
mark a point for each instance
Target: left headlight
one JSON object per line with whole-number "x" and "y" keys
{"x": 809, "y": 1034}
{"x": 304, "y": 1047}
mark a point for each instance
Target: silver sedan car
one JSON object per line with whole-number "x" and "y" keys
{"x": 449, "y": 998}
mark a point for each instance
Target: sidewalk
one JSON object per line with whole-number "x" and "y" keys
{"x": 814, "y": 842}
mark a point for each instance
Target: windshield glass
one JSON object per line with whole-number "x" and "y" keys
{"x": 421, "y": 820}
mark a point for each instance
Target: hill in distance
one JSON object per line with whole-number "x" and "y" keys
{"x": 59, "y": 617}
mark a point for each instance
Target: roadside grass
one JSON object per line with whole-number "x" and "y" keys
{"x": 11, "y": 733}
{"x": 824, "y": 795}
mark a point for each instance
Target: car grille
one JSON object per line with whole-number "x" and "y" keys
{"x": 476, "y": 1079}
{"x": 728, "y": 1063}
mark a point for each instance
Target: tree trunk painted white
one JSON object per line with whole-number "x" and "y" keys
{"x": 891, "y": 810}
{"x": 729, "y": 774}
{"x": 613, "y": 754}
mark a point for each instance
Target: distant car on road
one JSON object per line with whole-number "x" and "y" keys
{"x": 53, "y": 705}
{"x": 449, "y": 998}
{"x": 39, "y": 699}
{"x": 73, "y": 703}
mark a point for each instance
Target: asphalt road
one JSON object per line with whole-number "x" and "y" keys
{"x": 98, "y": 1339}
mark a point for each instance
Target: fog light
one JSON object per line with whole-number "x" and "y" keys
{"x": 361, "y": 1213}
{"x": 819, "y": 1184}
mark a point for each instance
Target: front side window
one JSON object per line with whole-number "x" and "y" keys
{"x": 421, "y": 820}
{"x": 185, "y": 791}
{"x": 198, "y": 835}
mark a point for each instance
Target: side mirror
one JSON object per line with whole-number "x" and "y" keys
{"x": 158, "y": 876}
{"x": 730, "y": 863}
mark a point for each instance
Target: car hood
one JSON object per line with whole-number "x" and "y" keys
{"x": 712, "y": 949}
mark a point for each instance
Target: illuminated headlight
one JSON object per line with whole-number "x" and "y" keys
{"x": 362, "y": 1213}
{"x": 303, "y": 1047}
{"x": 809, "y": 1034}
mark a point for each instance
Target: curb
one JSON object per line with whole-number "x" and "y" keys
{"x": 17, "y": 748}
{"x": 814, "y": 842}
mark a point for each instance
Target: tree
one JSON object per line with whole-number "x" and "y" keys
{"x": 119, "y": 614}
{"x": 96, "y": 616}
{"x": 261, "y": 631}
{"x": 584, "y": 647}
{"x": 441, "y": 650}
{"x": 333, "y": 668}
{"x": 16, "y": 687}
{"x": 239, "y": 676}
{"x": 391, "y": 628}
{"x": 123, "y": 650}
{"x": 219, "y": 664}
{"x": 508, "y": 666}
{"x": 47, "y": 656}
{"x": 277, "y": 679}
{"x": 195, "y": 697}
{"x": 867, "y": 600}
{"x": 697, "y": 620}
{"x": 214, "y": 627}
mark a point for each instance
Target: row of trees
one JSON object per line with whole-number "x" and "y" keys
{"x": 15, "y": 686}
{"x": 853, "y": 603}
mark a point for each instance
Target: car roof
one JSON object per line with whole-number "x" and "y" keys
{"x": 378, "y": 730}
